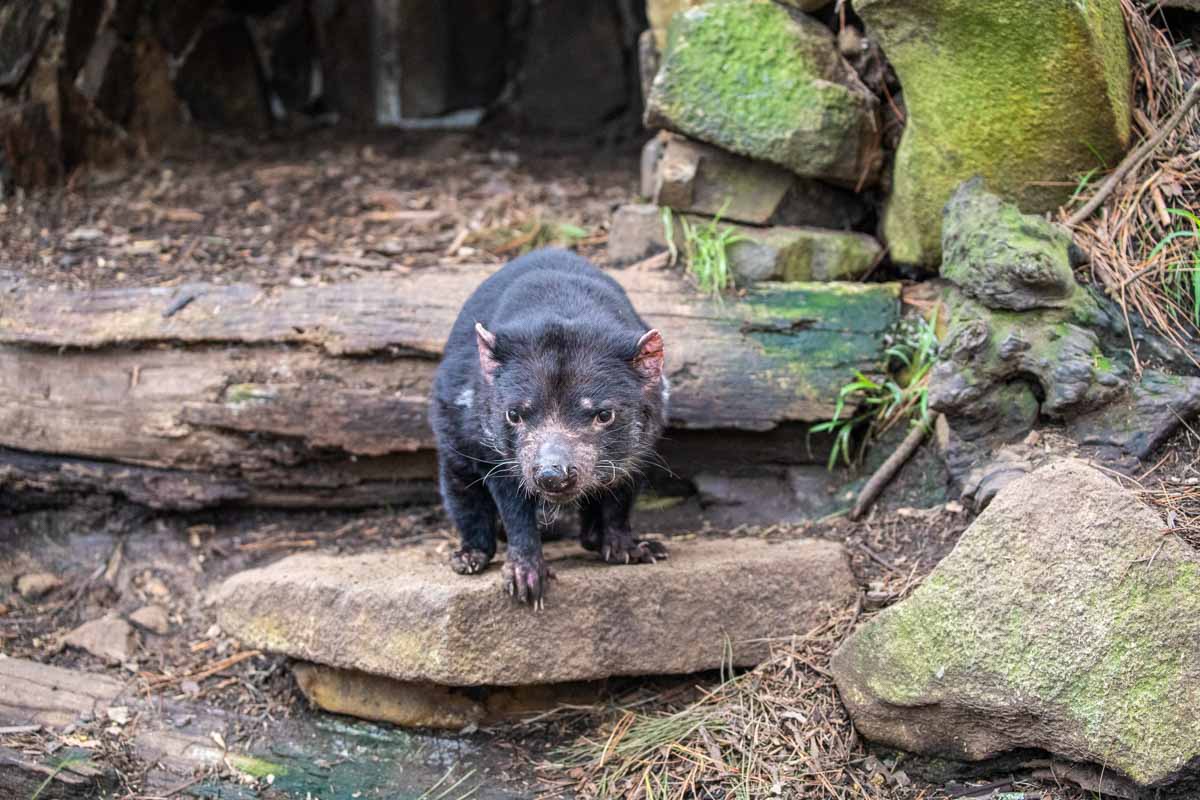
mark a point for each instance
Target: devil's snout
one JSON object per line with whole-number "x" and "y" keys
{"x": 553, "y": 472}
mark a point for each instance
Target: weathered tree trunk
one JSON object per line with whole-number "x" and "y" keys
{"x": 308, "y": 397}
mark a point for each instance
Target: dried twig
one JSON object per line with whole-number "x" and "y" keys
{"x": 208, "y": 672}
{"x": 883, "y": 476}
{"x": 1134, "y": 159}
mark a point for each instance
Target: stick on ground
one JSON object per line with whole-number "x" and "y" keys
{"x": 883, "y": 476}
{"x": 1131, "y": 161}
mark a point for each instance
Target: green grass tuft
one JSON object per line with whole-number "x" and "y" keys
{"x": 1182, "y": 280}
{"x": 902, "y": 394}
{"x": 706, "y": 250}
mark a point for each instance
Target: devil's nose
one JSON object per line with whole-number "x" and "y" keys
{"x": 555, "y": 477}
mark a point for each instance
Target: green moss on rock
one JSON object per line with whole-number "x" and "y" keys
{"x": 1028, "y": 94}
{"x": 1003, "y": 258}
{"x": 798, "y": 254}
{"x": 760, "y": 80}
{"x": 984, "y": 350}
{"x": 1062, "y": 621}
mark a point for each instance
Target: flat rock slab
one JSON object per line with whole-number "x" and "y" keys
{"x": 402, "y": 613}
{"x": 696, "y": 178}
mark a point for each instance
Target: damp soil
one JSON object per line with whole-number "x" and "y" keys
{"x": 326, "y": 207}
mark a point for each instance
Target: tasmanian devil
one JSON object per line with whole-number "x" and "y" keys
{"x": 550, "y": 396}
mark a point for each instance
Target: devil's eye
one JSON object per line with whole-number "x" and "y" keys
{"x": 605, "y": 416}
{"x": 514, "y": 417}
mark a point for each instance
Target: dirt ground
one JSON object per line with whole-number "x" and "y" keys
{"x": 323, "y": 208}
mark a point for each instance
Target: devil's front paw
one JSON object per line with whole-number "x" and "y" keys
{"x": 526, "y": 578}
{"x": 622, "y": 548}
{"x": 469, "y": 561}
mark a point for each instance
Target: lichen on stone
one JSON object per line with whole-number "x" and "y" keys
{"x": 1062, "y": 621}
{"x": 765, "y": 82}
{"x": 1003, "y": 258}
{"x": 1028, "y": 94}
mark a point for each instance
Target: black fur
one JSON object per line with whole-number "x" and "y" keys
{"x": 568, "y": 349}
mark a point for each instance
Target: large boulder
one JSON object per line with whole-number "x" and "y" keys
{"x": 1026, "y": 93}
{"x": 1063, "y": 621}
{"x": 404, "y": 614}
{"x": 767, "y": 82}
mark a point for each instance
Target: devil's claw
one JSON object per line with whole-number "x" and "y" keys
{"x": 468, "y": 561}
{"x": 627, "y": 550}
{"x": 526, "y": 579}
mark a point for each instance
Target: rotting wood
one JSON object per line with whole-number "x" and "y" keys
{"x": 317, "y": 396}
{"x": 32, "y": 693}
{"x": 58, "y": 778}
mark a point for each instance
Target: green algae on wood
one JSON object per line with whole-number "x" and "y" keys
{"x": 1028, "y": 94}
{"x": 1063, "y": 621}
{"x": 810, "y": 338}
{"x": 762, "y": 81}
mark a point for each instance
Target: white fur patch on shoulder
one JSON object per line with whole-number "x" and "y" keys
{"x": 466, "y": 398}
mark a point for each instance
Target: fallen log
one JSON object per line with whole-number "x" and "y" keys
{"x": 316, "y": 396}
{"x": 52, "y": 696}
{"x": 69, "y": 776}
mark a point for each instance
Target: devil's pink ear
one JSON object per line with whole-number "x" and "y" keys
{"x": 487, "y": 351}
{"x": 649, "y": 358}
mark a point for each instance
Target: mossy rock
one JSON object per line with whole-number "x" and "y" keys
{"x": 1058, "y": 349}
{"x": 767, "y": 82}
{"x": 1028, "y": 94}
{"x": 696, "y": 178}
{"x": 1063, "y": 621}
{"x": 800, "y": 254}
{"x": 1003, "y": 258}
